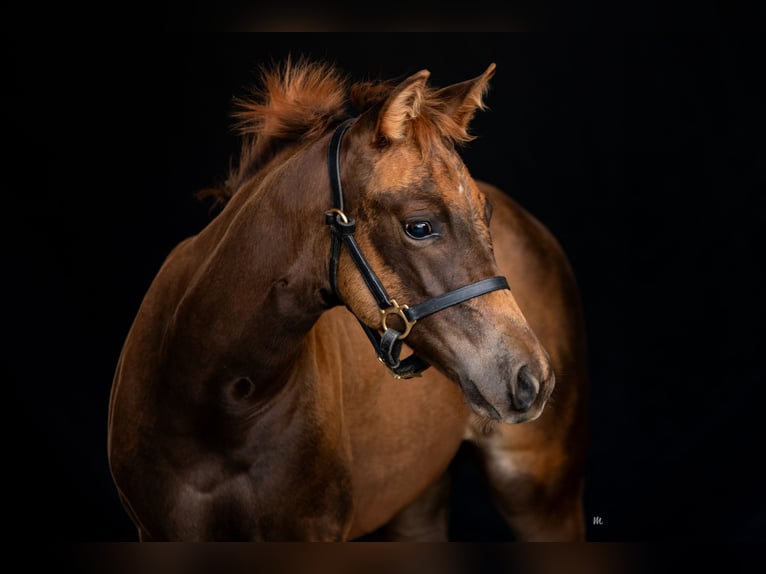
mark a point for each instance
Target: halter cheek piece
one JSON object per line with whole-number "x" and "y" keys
{"x": 388, "y": 346}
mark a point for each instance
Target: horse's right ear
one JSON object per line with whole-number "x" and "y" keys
{"x": 401, "y": 107}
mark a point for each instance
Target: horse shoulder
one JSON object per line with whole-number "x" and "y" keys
{"x": 139, "y": 353}
{"x": 133, "y": 405}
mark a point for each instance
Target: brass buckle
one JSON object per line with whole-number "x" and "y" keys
{"x": 395, "y": 309}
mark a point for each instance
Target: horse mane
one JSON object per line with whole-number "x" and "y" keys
{"x": 300, "y": 100}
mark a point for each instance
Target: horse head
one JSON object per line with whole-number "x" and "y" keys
{"x": 422, "y": 224}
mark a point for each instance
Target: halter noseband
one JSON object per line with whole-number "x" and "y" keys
{"x": 388, "y": 345}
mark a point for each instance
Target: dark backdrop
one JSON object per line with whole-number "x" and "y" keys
{"x": 644, "y": 158}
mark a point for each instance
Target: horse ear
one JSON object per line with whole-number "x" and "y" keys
{"x": 462, "y": 100}
{"x": 401, "y": 107}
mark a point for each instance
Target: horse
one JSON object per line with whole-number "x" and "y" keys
{"x": 307, "y": 366}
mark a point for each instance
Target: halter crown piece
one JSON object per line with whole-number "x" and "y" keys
{"x": 388, "y": 345}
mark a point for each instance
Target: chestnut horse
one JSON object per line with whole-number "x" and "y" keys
{"x": 253, "y": 397}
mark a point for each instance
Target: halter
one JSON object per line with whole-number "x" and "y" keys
{"x": 388, "y": 346}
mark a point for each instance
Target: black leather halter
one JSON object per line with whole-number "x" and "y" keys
{"x": 388, "y": 345}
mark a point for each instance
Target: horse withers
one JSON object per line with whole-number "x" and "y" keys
{"x": 248, "y": 403}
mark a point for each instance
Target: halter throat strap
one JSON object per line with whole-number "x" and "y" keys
{"x": 388, "y": 344}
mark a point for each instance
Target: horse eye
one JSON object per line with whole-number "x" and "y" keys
{"x": 418, "y": 229}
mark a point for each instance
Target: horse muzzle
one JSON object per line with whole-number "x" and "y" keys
{"x": 512, "y": 385}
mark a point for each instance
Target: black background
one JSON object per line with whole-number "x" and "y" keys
{"x": 644, "y": 157}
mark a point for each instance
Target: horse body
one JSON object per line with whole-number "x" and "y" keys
{"x": 248, "y": 405}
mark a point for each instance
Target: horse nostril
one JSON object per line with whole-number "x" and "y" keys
{"x": 525, "y": 391}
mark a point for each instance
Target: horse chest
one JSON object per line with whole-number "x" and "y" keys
{"x": 402, "y": 444}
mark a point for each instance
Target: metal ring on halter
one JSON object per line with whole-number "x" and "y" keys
{"x": 395, "y": 309}
{"x": 339, "y": 213}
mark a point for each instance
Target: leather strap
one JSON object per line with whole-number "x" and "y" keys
{"x": 459, "y": 295}
{"x": 333, "y": 161}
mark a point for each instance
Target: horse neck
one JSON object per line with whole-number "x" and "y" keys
{"x": 262, "y": 278}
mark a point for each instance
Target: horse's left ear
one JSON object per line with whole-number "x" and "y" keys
{"x": 461, "y": 100}
{"x": 401, "y": 107}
